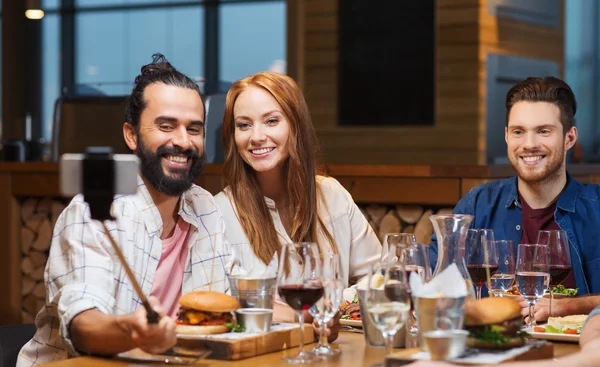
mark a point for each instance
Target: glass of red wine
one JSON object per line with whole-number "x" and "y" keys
{"x": 560, "y": 258}
{"x": 481, "y": 257}
{"x": 532, "y": 273}
{"x": 300, "y": 285}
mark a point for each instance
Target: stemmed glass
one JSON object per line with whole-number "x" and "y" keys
{"x": 532, "y": 274}
{"x": 481, "y": 256}
{"x": 300, "y": 285}
{"x": 388, "y": 304}
{"x": 397, "y": 239}
{"x": 328, "y": 306}
{"x": 560, "y": 258}
{"x": 414, "y": 260}
{"x": 505, "y": 277}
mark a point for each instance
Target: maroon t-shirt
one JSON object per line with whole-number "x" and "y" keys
{"x": 535, "y": 220}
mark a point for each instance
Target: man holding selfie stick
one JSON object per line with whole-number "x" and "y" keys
{"x": 170, "y": 233}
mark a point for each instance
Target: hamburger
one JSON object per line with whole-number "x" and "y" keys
{"x": 206, "y": 312}
{"x": 494, "y": 323}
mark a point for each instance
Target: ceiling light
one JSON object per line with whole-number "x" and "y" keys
{"x": 33, "y": 9}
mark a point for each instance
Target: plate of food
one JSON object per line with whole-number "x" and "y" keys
{"x": 351, "y": 313}
{"x": 566, "y": 329}
{"x": 558, "y": 292}
{"x": 561, "y": 292}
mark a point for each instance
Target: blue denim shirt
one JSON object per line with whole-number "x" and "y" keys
{"x": 496, "y": 205}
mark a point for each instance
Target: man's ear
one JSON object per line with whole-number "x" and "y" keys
{"x": 506, "y": 135}
{"x": 130, "y": 136}
{"x": 571, "y": 138}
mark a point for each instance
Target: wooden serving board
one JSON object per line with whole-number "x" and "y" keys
{"x": 542, "y": 351}
{"x": 234, "y": 346}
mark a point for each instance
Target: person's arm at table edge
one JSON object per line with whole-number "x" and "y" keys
{"x": 591, "y": 329}
{"x": 97, "y": 333}
{"x": 576, "y": 305}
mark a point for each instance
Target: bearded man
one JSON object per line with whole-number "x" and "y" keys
{"x": 171, "y": 233}
{"x": 542, "y": 196}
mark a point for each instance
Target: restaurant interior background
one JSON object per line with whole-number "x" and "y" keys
{"x": 407, "y": 97}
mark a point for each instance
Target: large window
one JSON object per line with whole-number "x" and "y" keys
{"x": 111, "y": 46}
{"x": 98, "y": 46}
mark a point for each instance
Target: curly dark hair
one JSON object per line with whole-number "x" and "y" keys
{"x": 158, "y": 71}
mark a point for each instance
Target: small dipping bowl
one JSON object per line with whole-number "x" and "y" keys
{"x": 445, "y": 344}
{"x": 255, "y": 320}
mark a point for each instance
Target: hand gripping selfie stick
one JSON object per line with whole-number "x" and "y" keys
{"x": 99, "y": 191}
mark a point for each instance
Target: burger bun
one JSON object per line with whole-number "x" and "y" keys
{"x": 209, "y": 301}
{"x": 491, "y": 310}
{"x": 201, "y": 329}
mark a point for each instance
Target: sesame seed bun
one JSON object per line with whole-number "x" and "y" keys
{"x": 209, "y": 301}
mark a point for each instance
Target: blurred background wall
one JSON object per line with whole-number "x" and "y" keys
{"x": 387, "y": 82}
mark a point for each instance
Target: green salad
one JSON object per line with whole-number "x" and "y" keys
{"x": 560, "y": 289}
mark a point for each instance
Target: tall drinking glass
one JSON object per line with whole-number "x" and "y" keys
{"x": 328, "y": 306}
{"x": 532, "y": 274}
{"x": 505, "y": 277}
{"x": 300, "y": 285}
{"x": 481, "y": 256}
{"x": 560, "y": 258}
{"x": 388, "y": 304}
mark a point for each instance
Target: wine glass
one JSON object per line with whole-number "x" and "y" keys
{"x": 505, "y": 277}
{"x": 532, "y": 274}
{"x": 560, "y": 258}
{"x": 481, "y": 256}
{"x": 414, "y": 260}
{"x": 397, "y": 239}
{"x": 328, "y": 306}
{"x": 388, "y": 301}
{"x": 300, "y": 285}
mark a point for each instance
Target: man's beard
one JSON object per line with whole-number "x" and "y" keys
{"x": 549, "y": 172}
{"x": 181, "y": 179}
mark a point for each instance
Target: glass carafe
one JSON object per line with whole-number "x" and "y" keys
{"x": 451, "y": 231}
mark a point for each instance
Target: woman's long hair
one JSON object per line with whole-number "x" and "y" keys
{"x": 299, "y": 170}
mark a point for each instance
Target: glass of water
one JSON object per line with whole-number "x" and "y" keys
{"x": 388, "y": 299}
{"x": 532, "y": 274}
{"x": 505, "y": 277}
{"x": 327, "y": 307}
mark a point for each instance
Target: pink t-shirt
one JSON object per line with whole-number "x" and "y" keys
{"x": 169, "y": 273}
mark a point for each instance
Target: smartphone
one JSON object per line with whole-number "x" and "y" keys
{"x": 71, "y": 174}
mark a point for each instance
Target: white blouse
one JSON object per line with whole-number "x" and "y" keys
{"x": 357, "y": 244}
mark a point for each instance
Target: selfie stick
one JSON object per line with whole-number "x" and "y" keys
{"x": 98, "y": 192}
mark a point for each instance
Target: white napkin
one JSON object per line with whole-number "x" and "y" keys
{"x": 483, "y": 357}
{"x": 448, "y": 283}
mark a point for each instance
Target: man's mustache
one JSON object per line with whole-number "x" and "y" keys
{"x": 192, "y": 153}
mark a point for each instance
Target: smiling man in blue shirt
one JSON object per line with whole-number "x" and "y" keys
{"x": 539, "y": 132}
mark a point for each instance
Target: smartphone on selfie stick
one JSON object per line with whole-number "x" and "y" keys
{"x": 99, "y": 175}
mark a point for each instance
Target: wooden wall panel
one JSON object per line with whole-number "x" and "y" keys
{"x": 510, "y": 37}
{"x": 466, "y": 32}
{"x": 456, "y": 102}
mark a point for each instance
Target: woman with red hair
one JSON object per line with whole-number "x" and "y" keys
{"x": 274, "y": 194}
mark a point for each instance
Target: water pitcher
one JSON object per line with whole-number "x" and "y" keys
{"x": 451, "y": 230}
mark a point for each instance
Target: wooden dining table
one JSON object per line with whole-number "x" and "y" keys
{"x": 355, "y": 352}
